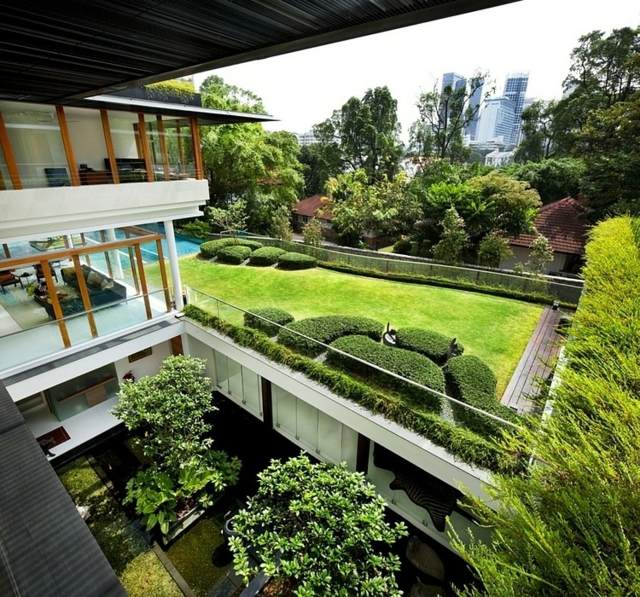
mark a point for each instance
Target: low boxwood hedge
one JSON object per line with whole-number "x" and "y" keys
{"x": 277, "y": 316}
{"x": 462, "y": 443}
{"x": 429, "y": 343}
{"x": 266, "y": 256}
{"x": 326, "y": 329}
{"x": 292, "y": 260}
{"x": 472, "y": 381}
{"x": 411, "y": 365}
{"x": 234, "y": 254}
{"x": 211, "y": 248}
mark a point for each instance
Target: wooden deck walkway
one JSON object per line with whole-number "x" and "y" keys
{"x": 541, "y": 351}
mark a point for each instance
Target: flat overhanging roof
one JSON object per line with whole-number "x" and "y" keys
{"x": 204, "y": 115}
{"x": 57, "y": 51}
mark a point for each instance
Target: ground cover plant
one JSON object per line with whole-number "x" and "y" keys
{"x": 317, "y": 529}
{"x": 326, "y": 329}
{"x": 211, "y": 248}
{"x": 493, "y": 328}
{"x": 293, "y": 260}
{"x": 253, "y": 319}
{"x": 437, "y": 347}
{"x": 234, "y": 254}
{"x": 406, "y": 363}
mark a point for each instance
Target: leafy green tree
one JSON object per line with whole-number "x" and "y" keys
{"x": 540, "y": 254}
{"x": 318, "y": 168}
{"x": 609, "y": 143}
{"x": 281, "y": 226}
{"x": 167, "y": 414}
{"x": 312, "y": 232}
{"x": 317, "y": 530}
{"x": 605, "y": 70}
{"x": 493, "y": 249}
{"x": 222, "y": 96}
{"x": 444, "y": 114}
{"x": 453, "y": 240}
{"x": 362, "y": 135}
{"x": 231, "y": 219}
{"x": 537, "y": 140}
{"x": 553, "y": 178}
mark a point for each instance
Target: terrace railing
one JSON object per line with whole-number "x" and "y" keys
{"x": 398, "y": 386}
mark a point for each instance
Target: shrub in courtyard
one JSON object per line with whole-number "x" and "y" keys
{"x": 402, "y": 246}
{"x": 411, "y": 365}
{"x": 317, "y": 529}
{"x": 266, "y": 256}
{"x": 292, "y": 260}
{"x": 472, "y": 381}
{"x": 234, "y": 254}
{"x": 277, "y": 316}
{"x": 429, "y": 343}
{"x": 327, "y": 329}
{"x": 211, "y": 248}
{"x": 167, "y": 413}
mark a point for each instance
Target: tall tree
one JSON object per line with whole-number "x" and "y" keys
{"x": 444, "y": 114}
{"x": 362, "y": 135}
{"x": 537, "y": 140}
{"x": 222, "y": 96}
{"x": 552, "y": 178}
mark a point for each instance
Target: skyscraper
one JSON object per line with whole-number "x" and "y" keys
{"x": 497, "y": 122}
{"x": 453, "y": 80}
{"x": 474, "y": 103}
{"x": 515, "y": 88}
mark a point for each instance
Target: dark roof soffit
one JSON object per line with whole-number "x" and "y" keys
{"x": 61, "y": 51}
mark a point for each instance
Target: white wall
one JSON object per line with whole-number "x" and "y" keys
{"x": 145, "y": 366}
{"x": 87, "y": 138}
{"x": 521, "y": 256}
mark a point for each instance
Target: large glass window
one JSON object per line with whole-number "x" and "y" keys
{"x": 36, "y": 141}
{"x": 87, "y": 139}
{"x": 171, "y": 147}
{"x": 5, "y": 179}
{"x": 127, "y": 146}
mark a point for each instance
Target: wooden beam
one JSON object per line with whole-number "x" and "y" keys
{"x": 144, "y": 145}
{"x": 9, "y": 156}
{"x": 197, "y": 153}
{"x": 163, "y": 274}
{"x": 163, "y": 147}
{"x": 84, "y": 295}
{"x": 52, "y": 293}
{"x": 68, "y": 253}
{"x": 108, "y": 142}
{"x": 143, "y": 282}
{"x": 68, "y": 148}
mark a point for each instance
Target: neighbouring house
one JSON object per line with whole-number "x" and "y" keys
{"x": 564, "y": 224}
{"x": 317, "y": 207}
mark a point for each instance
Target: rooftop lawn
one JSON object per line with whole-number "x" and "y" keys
{"x": 493, "y": 328}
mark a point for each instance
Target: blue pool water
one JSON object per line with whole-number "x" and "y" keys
{"x": 184, "y": 244}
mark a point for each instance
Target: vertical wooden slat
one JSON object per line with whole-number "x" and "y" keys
{"x": 143, "y": 281}
{"x": 144, "y": 144}
{"x": 9, "y": 156}
{"x": 52, "y": 291}
{"x": 176, "y": 346}
{"x": 108, "y": 141}
{"x": 163, "y": 148}
{"x": 68, "y": 148}
{"x": 163, "y": 274}
{"x": 84, "y": 294}
{"x": 197, "y": 154}
{"x": 2, "y": 185}
{"x": 136, "y": 134}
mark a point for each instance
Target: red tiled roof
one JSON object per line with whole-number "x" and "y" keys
{"x": 563, "y": 223}
{"x": 309, "y": 206}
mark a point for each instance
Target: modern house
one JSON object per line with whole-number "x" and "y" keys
{"x": 91, "y": 185}
{"x": 564, "y": 224}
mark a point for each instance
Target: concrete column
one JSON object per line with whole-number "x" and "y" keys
{"x": 173, "y": 263}
{"x": 114, "y": 256}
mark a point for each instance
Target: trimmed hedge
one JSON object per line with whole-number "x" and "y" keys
{"x": 411, "y": 365}
{"x": 326, "y": 329}
{"x": 234, "y": 254}
{"x": 472, "y": 381}
{"x": 211, "y": 248}
{"x": 278, "y": 316}
{"x": 462, "y": 443}
{"x": 402, "y": 246}
{"x": 292, "y": 260}
{"x": 266, "y": 256}
{"x": 431, "y": 344}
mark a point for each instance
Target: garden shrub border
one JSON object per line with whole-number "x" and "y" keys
{"x": 326, "y": 329}
{"x": 294, "y": 260}
{"x": 406, "y": 363}
{"x": 234, "y": 254}
{"x": 279, "y": 317}
{"x": 429, "y": 343}
{"x": 211, "y": 248}
{"x": 458, "y": 441}
{"x": 266, "y": 256}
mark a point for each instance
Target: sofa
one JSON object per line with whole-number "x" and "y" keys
{"x": 102, "y": 289}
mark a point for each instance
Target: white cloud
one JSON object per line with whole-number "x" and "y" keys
{"x": 303, "y": 88}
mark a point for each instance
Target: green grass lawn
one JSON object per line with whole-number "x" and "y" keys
{"x": 493, "y": 328}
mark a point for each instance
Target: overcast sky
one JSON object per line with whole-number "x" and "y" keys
{"x": 537, "y": 36}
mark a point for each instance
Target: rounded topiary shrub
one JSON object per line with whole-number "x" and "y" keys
{"x": 292, "y": 260}
{"x": 252, "y": 244}
{"x": 266, "y": 256}
{"x": 402, "y": 246}
{"x": 211, "y": 248}
{"x": 275, "y": 316}
{"x": 429, "y": 343}
{"x": 326, "y": 329}
{"x": 234, "y": 254}
{"x": 406, "y": 363}
{"x": 472, "y": 381}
